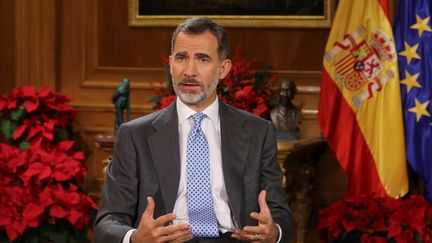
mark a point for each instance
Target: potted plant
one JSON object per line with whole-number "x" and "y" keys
{"x": 376, "y": 219}
{"x": 40, "y": 170}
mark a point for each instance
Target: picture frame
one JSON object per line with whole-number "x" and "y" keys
{"x": 257, "y": 13}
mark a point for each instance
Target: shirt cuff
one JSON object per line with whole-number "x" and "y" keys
{"x": 278, "y": 240}
{"x": 126, "y": 238}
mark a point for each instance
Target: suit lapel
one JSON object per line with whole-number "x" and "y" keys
{"x": 164, "y": 147}
{"x": 235, "y": 146}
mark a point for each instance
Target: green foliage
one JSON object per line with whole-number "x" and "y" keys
{"x": 24, "y": 145}
{"x": 18, "y": 113}
{"x": 61, "y": 134}
{"x": 7, "y": 128}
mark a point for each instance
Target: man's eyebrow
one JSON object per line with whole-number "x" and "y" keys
{"x": 182, "y": 53}
{"x": 203, "y": 55}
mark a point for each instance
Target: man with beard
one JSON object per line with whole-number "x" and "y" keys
{"x": 199, "y": 170}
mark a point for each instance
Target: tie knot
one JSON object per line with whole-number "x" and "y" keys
{"x": 198, "y": 117}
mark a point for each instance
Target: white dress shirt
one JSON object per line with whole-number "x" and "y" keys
{"x": 210, "y": 125}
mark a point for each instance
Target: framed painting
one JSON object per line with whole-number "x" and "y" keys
{"x": 234, "y": 13}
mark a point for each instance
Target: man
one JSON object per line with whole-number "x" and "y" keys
{"x": 199, "y": 170}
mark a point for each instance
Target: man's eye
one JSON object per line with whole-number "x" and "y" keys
{"x": 204, "y": 60}
{"x": 180, "y": 58}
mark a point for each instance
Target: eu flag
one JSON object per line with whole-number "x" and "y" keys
{"x": 413, "y": 37}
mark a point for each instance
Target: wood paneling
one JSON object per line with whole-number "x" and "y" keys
{"x": 28, "y": 43}
{"x": 7, "y": 45}
{"x": 35, "y": 43}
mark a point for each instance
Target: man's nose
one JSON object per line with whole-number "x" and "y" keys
{"x": 190, "y": 69}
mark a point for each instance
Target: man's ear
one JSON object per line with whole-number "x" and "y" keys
{"x": 225, "y": 68}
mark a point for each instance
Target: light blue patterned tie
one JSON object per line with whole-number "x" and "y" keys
{"x": 202, "y": 218}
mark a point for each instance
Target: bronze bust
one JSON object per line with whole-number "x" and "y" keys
{"x": 121, "y": 102}
{"x": 286, "y": 116}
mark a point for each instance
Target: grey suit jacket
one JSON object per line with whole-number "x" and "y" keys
{"x": 146, "y": 163}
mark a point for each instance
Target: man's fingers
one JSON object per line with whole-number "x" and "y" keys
{"x": 148, "y": 213}
{"x": 262, "y": 202}
{"x": 262, "y": 218}
{"x": 162, "y": 220}
{"x": 253, "y": 230}
{"x": 183, "y": 239}
{"x": 245, "y": 236}
{"x": 171, "y": 229}
{"x": 178, "y": 235}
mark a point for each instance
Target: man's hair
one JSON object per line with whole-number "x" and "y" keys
{"x": 195, "y": 26}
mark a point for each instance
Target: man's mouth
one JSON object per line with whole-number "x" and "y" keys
{"x": 189, "y": 83}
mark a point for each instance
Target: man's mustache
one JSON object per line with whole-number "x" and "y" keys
{"x": 189, "y": 81}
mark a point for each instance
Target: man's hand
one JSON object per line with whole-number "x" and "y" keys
{"x": 153, "y": 230}
{"x": 266, "y": 231}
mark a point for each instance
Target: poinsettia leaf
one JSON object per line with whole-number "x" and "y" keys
{"x": 24, "y": 145}
{"x": 66, "y": 145}
{"x": 17, "y": 113}
{"x": 61, "y": 134}
{"x": 12, "y": 233}
{"x": 28, "y": 91}
{"x": 48, "y": 135}
{"x": 58, "y": 212}
{"x": 32, "y": 211}
{"x": 44, "y": 92}
{"x": 78, "y": 156}
{"x": 19, "y": 131}
{"x": 31, "y": 105}
{"x": 74, "y": 216}
{"x": 8, "y": 127}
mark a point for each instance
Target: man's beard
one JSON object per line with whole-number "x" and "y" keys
{"x": 191, "y": 97}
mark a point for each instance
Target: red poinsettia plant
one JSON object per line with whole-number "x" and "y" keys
{"x": 40, "y": 170}
{"x": 370, "y": 219}
{"x": 245, "y": 87}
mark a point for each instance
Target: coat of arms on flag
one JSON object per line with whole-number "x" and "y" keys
{"x": 358, "y": 62}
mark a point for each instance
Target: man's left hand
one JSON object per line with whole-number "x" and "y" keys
{"x": 266, "y": 231}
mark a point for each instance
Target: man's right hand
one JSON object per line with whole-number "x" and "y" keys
{"x": 154, "y": 230}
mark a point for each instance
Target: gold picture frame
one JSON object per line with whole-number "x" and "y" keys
{"x": 277, "y": 21}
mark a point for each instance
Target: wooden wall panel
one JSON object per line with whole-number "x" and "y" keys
{"x": 7, "y": 46}
{"x": 35, "y": 35}
{"x": 28, "y": 43}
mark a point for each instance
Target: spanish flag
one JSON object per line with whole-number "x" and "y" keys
{"x": 360, "y": 106}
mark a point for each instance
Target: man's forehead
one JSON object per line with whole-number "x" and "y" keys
{"x": 205, "y": 41}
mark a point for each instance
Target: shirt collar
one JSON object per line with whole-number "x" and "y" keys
{"x": 184, "y": 112}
